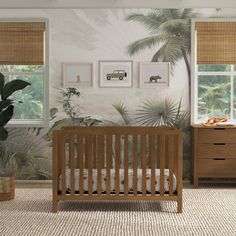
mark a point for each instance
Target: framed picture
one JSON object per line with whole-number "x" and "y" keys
{"x": 115, "y": 74}
{"x": 77, "y": 74}
{"x": 154, "y": 74}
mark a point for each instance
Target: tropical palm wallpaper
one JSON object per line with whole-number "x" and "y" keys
{"x": 91, "y": 35}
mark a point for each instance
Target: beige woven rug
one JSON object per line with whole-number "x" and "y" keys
{"x": 206, "y": 212}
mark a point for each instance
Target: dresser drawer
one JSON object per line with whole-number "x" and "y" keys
{"x": 216, "y": 135}
{"x": 217, "y": 150}
{"x": 216, "y": 168}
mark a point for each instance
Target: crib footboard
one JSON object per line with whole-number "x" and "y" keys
{"x": 117, "y": 163}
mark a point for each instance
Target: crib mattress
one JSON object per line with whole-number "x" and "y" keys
{"x": 121, "y": 173}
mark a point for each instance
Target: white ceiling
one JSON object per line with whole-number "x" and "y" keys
{"x": 115, "y": 3}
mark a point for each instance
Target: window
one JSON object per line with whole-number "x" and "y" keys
{"x": 213, "y": 70}
{"x": 23, "y": 55}
{"x": 215, "y": 91}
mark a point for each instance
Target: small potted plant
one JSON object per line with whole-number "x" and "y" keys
{"x": 7, "y": 160}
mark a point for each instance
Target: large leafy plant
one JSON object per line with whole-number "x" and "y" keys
{"x": 6, "y": 103}
{"x": 8, "y": 163}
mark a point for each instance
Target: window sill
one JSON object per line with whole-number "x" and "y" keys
{"x": 28, "y": 123}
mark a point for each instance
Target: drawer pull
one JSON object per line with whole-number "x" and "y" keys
{"x": 219, "y": 143}
{"x": 219, "y": 128}
{"x": 219, "y": 159}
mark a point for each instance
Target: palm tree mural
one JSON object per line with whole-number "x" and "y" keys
{"x": 170, "y": 32}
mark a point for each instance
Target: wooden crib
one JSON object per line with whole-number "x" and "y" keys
{"x": 117, "y": 163}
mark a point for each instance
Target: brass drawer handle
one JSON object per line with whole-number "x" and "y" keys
{"x": 219, "y": 159}
{"x": 219, "y": 143}
{"x": 219, "y": 128}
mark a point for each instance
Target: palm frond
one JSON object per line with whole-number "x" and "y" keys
{"x": 123, "y": 111}
{"x": 169, "y": 52}
{"x": 164, "y": 14}
{"x": 113, "y": 123}
{"x": 144, "y": 43}
{"x": 182, "y": 117}
{"x": 154, "y": 112}
{"x": 22, "y": 140}
{"x": 170, "y": 25}
{"x": 173, "y": 27}
{"x": 30, "y": 148}
{"x": 151, "y": 20}
{"x": 162, "y": 112}
{"x": 188, "y": 13}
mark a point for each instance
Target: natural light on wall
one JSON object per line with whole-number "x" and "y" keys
{"x": 22, "y": 56}
{"x": 213, "y": 70}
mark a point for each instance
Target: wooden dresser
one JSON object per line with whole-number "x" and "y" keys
{"x": 213, "y": 152}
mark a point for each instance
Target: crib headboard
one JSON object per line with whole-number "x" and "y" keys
{"x": 117, "y": 148}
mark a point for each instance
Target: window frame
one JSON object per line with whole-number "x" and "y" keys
{"x": 195, "y": 73}
{"x": 45, "y": 121}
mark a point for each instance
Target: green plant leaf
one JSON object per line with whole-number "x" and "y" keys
{"x": 53, "y": 112}
{"x": 2, "y": 81}
{"x": 3, "y": 134}
{"x": 13, "y": 86}
{"x": 5, "y": 103}
{"x": 6, "y": 115}
{"x": 161, "y": 112}
{"x": 123, "y": 111}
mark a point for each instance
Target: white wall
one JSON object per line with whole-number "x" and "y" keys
{"x": 90, "y": 35}
{"x": 115, "y": 3}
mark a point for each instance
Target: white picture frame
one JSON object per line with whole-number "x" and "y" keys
{"x": 78, "y": 74}
{"x": 115, "y": 74}
{"x": 154, "y": 74}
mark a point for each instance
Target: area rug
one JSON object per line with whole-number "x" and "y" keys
{"x": 205, "y": 212}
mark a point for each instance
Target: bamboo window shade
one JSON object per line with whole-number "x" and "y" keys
{"x": 22, "y": 43}
{"x": 216, "y": 42}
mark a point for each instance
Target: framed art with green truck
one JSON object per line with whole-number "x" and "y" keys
{"x": 7, "y": 159}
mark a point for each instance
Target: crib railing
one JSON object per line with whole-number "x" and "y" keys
{"x": 117, "y": 148}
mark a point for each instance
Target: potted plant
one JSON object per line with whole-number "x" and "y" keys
{"x": 7, "y": 161}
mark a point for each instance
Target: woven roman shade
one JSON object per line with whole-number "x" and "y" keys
{"x": 22, "y": 43}
{"x": 216, "y": 42}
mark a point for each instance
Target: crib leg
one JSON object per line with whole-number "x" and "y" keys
{"x": 54, "y": 206}
{"x": 180, "y": 206}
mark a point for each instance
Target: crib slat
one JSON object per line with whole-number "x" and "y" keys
{"x": 117, "y": 164}
{"x": 108, "y": 163}
{"x": 72, "y": 164}
{"x": 144, "y": 168}
{"x": 171, "y": 162}
{"x": 162, "y": 163}
{"x": 103, "y": 152}
{"x": 152, "y": 162}
{"x": 126, "y": 165}
{"x": 100, "y": 162}
{"x": 63, "y": 165}
{"x": 80, "y": 152}
{"x": 85, "y": 153}
{"x": 94, "y": 152}
{"x": 135, "y": 165}
{"x": 158, "y": 151}
{"x": 90, "y": 165}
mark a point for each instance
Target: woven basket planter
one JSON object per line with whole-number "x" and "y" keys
{"x": 7, "y": 188}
